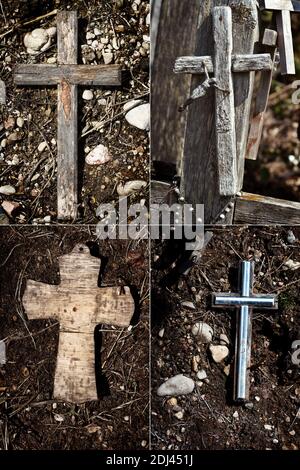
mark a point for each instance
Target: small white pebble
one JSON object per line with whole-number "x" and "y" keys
{"x": 88, "y": 95}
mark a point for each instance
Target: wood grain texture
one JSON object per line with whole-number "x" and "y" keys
{"x": 88, "y": 75}
{"x": 262, "y": 97}
{"x": 261, "y": 210}
{"x": 67, "y": 120}
{"x": 2, "y": 92}
{"x": 199, "y": 173}
{"x": 286, "y": 46}
{"x": 178, "y": 19}
{"x": 224, "y": 106}
{"x": 78, "y": 304}
{"x": 245, "y": 63}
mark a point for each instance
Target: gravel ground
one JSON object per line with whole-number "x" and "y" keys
{"x": 116, "y": 32}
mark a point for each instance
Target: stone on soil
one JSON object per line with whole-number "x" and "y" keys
{"x": 203, "y": 331}
{"x": 177, "y": 385}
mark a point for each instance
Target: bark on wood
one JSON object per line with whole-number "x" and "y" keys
{"x": 261, "y": 210}
{"x": 44, "y": 74}
{"x": 224, "y": 107}
{"x": 78, "y": 304}
{"x": 240, "y": 63}
{"x": 262, "y": 97}
{"x": 199, "y": 174}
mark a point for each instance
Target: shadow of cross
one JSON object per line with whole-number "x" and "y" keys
{"x": 244, "y": 302}
{"x": 223, "y": 65}
{"x": 67, "y": 75}
{"x": 283, "y": 9}
{"x": 78, "y": 304}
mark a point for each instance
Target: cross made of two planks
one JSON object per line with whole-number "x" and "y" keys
{"x": 67, "y": 75}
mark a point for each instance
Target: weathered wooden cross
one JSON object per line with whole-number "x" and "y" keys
{"x": 78, "y": 304}
{"x": 245, "y": 301}
{"x": 283, "y": 9}
{"x": 223, "y": 65}
{"x": 67, "y": 75}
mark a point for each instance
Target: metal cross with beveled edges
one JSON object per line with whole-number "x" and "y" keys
{"x": 79, "y": 305}
{"x": 67, "y": 75}
{"x": 244, "y": 302}
{"x": 283, "y": 9}
{"x": 223, "y": 65}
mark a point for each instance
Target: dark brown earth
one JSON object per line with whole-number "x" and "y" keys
{"x": 34, "y": 175}
{"x": 29, "y": 417}
{"x": 208, "y": 421}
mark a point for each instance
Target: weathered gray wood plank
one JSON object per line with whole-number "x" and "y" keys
{"x": 224, "y": 106}
{"x": 261, "y": 210}
{"x": 286, "y": 46}
{"x": 261, "y": 101}
{"x": 178, "y": 19}
{"x": 246, "y": 63}
{"x": 67, "y": 131}
{"x": 46, "y": 74}
{"x": 2, "y": 92}
{"x": 277, "y": 5}
{"x": 199, "y": 174}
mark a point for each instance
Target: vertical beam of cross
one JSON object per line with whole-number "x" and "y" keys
{"x": 225, "y": 112}
{"x": 244, "y": 302}
{"x": 243, "y": 336}
{"x": 67, "y": 115}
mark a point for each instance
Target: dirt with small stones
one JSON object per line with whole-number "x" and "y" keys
{"x": 121, "y": 27}
{"x": 29, "y": 417}
{"x": 210, "y": 418}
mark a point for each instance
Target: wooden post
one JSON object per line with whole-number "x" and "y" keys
{"x": 224, "y": 109}
{"x": 67, "y": 119}
{"x": 79, "y": 305}
{"x": 177, "y": 18}
{"x": 261, "y": 101}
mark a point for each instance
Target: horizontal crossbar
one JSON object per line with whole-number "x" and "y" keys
{"x": 240, "y": 63}
{"x": 88, "y": 75}
{"x": 234, "y": 300}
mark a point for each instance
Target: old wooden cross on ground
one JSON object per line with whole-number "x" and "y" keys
{"x": 222, "y": 65}
{"x": 78, "y": 304}
{"x": 283, "y": 9}
{"x": 245, "y": 301}
{"x": 67, "y": 75}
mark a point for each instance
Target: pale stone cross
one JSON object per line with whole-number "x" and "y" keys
{"x": 244, "y": 302}
{"x": 283, "y": 9}
{"x": 67, "y": 75}
{"x": 223, "y": 65}
{"x": 78, "y": 304}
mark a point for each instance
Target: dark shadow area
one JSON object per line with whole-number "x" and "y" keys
{"x": 102, "y": 384}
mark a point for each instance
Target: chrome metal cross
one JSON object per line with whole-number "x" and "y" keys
{"x": 245, "y": 301}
